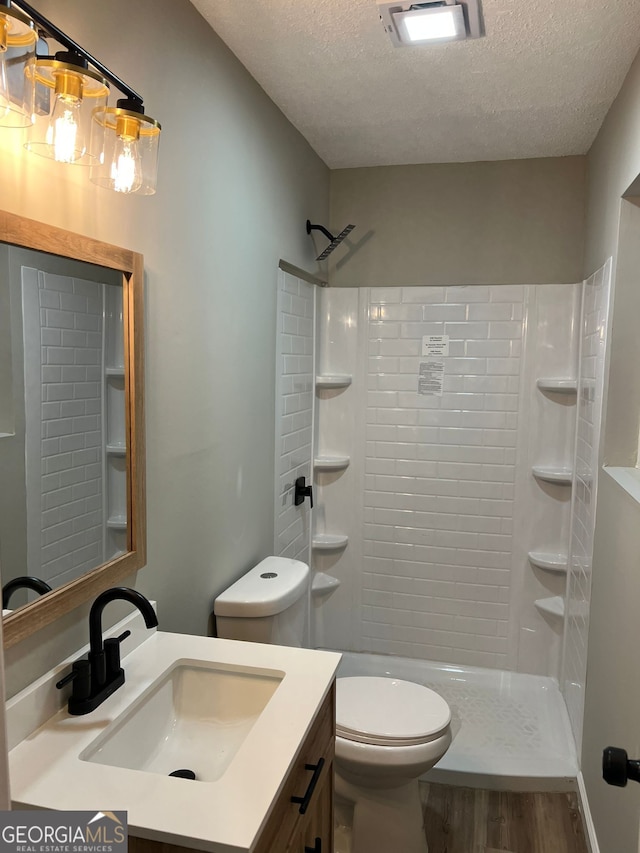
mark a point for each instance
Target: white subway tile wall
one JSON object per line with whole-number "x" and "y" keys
{"x": 71, "y": 334}
{"x": 440, "y": 472}
{"x": 294, "y": 412}
{"x": 589, "y": 413}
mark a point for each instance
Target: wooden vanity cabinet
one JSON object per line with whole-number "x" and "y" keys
{"x": 287, "y": 830}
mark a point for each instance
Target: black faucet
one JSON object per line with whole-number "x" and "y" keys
{"x": 95, "y": 678}
{"x": 23, "y": 583}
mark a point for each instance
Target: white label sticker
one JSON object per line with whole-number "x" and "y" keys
{"x": 435, "y": 345}
{"x": 431, "y": 378}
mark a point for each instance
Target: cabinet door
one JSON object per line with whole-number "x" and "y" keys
{"x": 286, "y": 828}
{"x": 318, "y": 832}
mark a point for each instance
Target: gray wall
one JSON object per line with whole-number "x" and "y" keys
{"x": 13, "y": 501}
{"x": 612, "y": 711}
{"x": 237, "y": 183}
{"x": 505, "y": 222}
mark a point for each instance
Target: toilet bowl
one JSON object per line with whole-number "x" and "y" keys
{"x": 388, "y": 732}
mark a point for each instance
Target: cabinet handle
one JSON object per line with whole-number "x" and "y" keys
{"x": 317, "y": 847}
{"x": 304, "y": 801}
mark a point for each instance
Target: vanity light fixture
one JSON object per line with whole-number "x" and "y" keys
{"x": 18, "y": 39}
{"x": 67, "y": 108}
{"x": 66, "y": 93}
{"x": 124, "y": 142}
{"x": 408, "y": 24}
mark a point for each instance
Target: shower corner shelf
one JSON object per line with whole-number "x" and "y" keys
{"x": 551, "y": 606}
{"x": 116, "y": 450}
{"x": 553, "y": 474}
{"x": 333, "y": 380}
{"x": 117, "y": 522}
{"x": 331, "y": 463}
{"x": 550, "y": 561}
{"x": 558, "y": 386}
{"x": 117, "y": 372}
{"x": 329, "y": 541}
{"x": 323, "y": 584}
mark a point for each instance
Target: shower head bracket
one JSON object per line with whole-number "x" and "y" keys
{"x": 335, "y": 241}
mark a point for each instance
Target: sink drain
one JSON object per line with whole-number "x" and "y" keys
{"x": 183, "y": 774}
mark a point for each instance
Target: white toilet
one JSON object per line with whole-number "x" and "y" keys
{"x": 388, "y": 732}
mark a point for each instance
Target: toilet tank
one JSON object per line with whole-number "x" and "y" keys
{"x": 267, "y": 605}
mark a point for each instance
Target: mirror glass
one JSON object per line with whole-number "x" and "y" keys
{"x": 63, "y": 508}
{"x": 72, "y": 454}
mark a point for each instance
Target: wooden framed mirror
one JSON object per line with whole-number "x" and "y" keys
{"x": 71, "y": 418}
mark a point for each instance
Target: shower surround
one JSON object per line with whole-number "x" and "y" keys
{"x": 441, "y": 441}
{"x": 443, "y": 423}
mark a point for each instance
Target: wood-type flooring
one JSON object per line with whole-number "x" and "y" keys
{"x": 469, "y": 820}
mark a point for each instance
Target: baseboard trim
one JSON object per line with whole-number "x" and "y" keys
{"x": 587, "y": 819}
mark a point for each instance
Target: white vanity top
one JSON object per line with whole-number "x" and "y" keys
{"x": 222, "y": 816}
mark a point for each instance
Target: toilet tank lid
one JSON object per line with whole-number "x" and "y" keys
{"x": 269, "y": 588}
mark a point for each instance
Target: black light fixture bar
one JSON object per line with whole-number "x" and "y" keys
{"x": 61, "y": 37}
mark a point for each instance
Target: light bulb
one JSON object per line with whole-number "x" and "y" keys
{"x": 126, "y": 173}
{"x": 62, "y": 132}
{"x": 126, "y": 166}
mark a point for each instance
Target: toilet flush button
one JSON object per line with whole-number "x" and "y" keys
{"x": 269, "y": 575}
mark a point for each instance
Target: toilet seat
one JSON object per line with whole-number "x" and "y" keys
{"x": 389, "y": 712}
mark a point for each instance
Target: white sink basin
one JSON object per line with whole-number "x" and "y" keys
{"x": 194, "y": 716}
{"x": 235, "y": 713}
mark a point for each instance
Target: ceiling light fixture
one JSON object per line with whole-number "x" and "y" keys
{"x": 409, "y": 24}
{"x": 432, "y": 24}
{"x": 64, "y": 98}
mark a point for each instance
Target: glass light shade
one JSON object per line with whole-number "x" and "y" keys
{"x": 124, "y": 146}
{"x": 436, "y": 24}
{"x": 17, "y": 55}
{"x": 65, "y": 97}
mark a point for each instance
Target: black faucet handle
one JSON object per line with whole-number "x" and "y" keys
{"x": 81, "y": 676}
{"x": 112, "y": 654}
{"x": 105, "y": 672}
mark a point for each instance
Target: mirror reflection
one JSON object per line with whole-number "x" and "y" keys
{"x": 63, "y": 454}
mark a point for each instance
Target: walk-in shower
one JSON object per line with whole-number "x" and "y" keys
{"x": 451, "y": 435}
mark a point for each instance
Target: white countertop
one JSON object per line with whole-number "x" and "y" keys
{"x": 221, "y": 816}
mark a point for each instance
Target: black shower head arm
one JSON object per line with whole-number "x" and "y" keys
{"x": 335, "y": 241}
{"x": 326, "y": 233}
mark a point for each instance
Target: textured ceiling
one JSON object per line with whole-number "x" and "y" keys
{"x": 538, "y": 85}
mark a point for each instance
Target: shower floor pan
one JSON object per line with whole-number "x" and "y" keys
{"x": 510, "y": 731}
